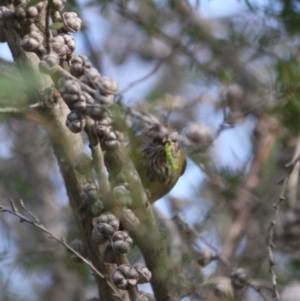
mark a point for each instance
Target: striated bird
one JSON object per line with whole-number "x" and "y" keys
{"x": 159, "y": 160}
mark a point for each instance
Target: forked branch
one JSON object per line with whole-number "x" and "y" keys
{"x": 33, "y": 220}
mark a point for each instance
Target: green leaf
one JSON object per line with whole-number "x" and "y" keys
{"x": 33, "y": 2}
{"x": 56, "y": 25}
{"x": 52, "y": 5}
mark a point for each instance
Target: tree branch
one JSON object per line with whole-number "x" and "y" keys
{"x": 37, "y": 223}
{"x": 66, "y": 146}
{"x": 276, "y": 207}
{"x": 147, "y": 234}
{"x": 12, "y": 110}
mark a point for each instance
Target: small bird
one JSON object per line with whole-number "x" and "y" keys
{"x": 159, "y": 160}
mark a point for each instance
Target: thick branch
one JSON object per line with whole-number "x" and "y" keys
{"x": 147, "y": 234}
{"x": 98, "y": 159}
{"x": 244, "y": 201}
{"x": 66, "y": 147}
{"x": 270, "y": 245}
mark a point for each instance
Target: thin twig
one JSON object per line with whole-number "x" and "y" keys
{"x": 176, "y": 43}
{"x": 223, "y": 126}
{"x": 19, "y": 110}
{"x": 35, "y": 219}
{"x": 156, "y": 67}
{"x": 294, "y": 177}
{"x": 270, "y": 245}
{"x": 47, "y": 32}
{"x": 168, "y": 39}
{"x": 193, "y": 234}
{"x": 13, "y": 206}
{"x": 258, "y": 288}
{"x": 14, "y": 211}
{"x": 134, "y": 83}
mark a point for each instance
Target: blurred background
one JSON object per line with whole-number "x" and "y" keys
{"x": 232, "y": 68}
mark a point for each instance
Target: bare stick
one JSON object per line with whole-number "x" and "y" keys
{"x": 132, "y": 84}
{"x": 192, "y": 234}
{"x": 47, "y": 32}
{"x": 258, "y": 287}
{"x": 36, "y": 223}
{"x": 276, "y": 206}
{"x": 35, "y": 219}
{"x": 19, "y": 110}
{"x": 13, "y": 206}
{"x": 292, "y": 185}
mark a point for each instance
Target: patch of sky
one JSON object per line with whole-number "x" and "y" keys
{"x": 60, "y": 189}
{"x": 221, "y": 8}
{"x": 5, "y": 144}
{"x": 13, "y": 278}
{"x": 5, "y": 52}
{"x": 236, "y": 145}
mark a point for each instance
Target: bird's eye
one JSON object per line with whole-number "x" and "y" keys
{"x": 157, "y": 140}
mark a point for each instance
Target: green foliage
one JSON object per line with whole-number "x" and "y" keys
{"x": 290, "y": 15}
{"x": 295, "y": 267}
{"x": 18, "y": 186}
{"x": 79, "y": 268}
{"x": 288, "y": 83}
{"x": 56, "y": 25}
{"x": 33, "y": 2}
{"x": 231, "y": 180}
{"x": 37, "y": 261}
{"x": 72, "y": 5}
{"x": 290, "y": 110}
{"x": 11, "y": 88}
{"x": 288, "y": 73}
{"x": 225, "y": 76}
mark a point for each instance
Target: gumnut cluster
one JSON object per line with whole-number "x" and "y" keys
{"x": 127, "y": 276}
{"x": 92, "y": 202}
{"x": 86, "y": 92}
{"x": 196, "y": 138}
{"x": 118, "y": 242}
{"x": 205, "y": 257}
{"x": 239, "y": 278}
{"x": 107, "y": 225}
